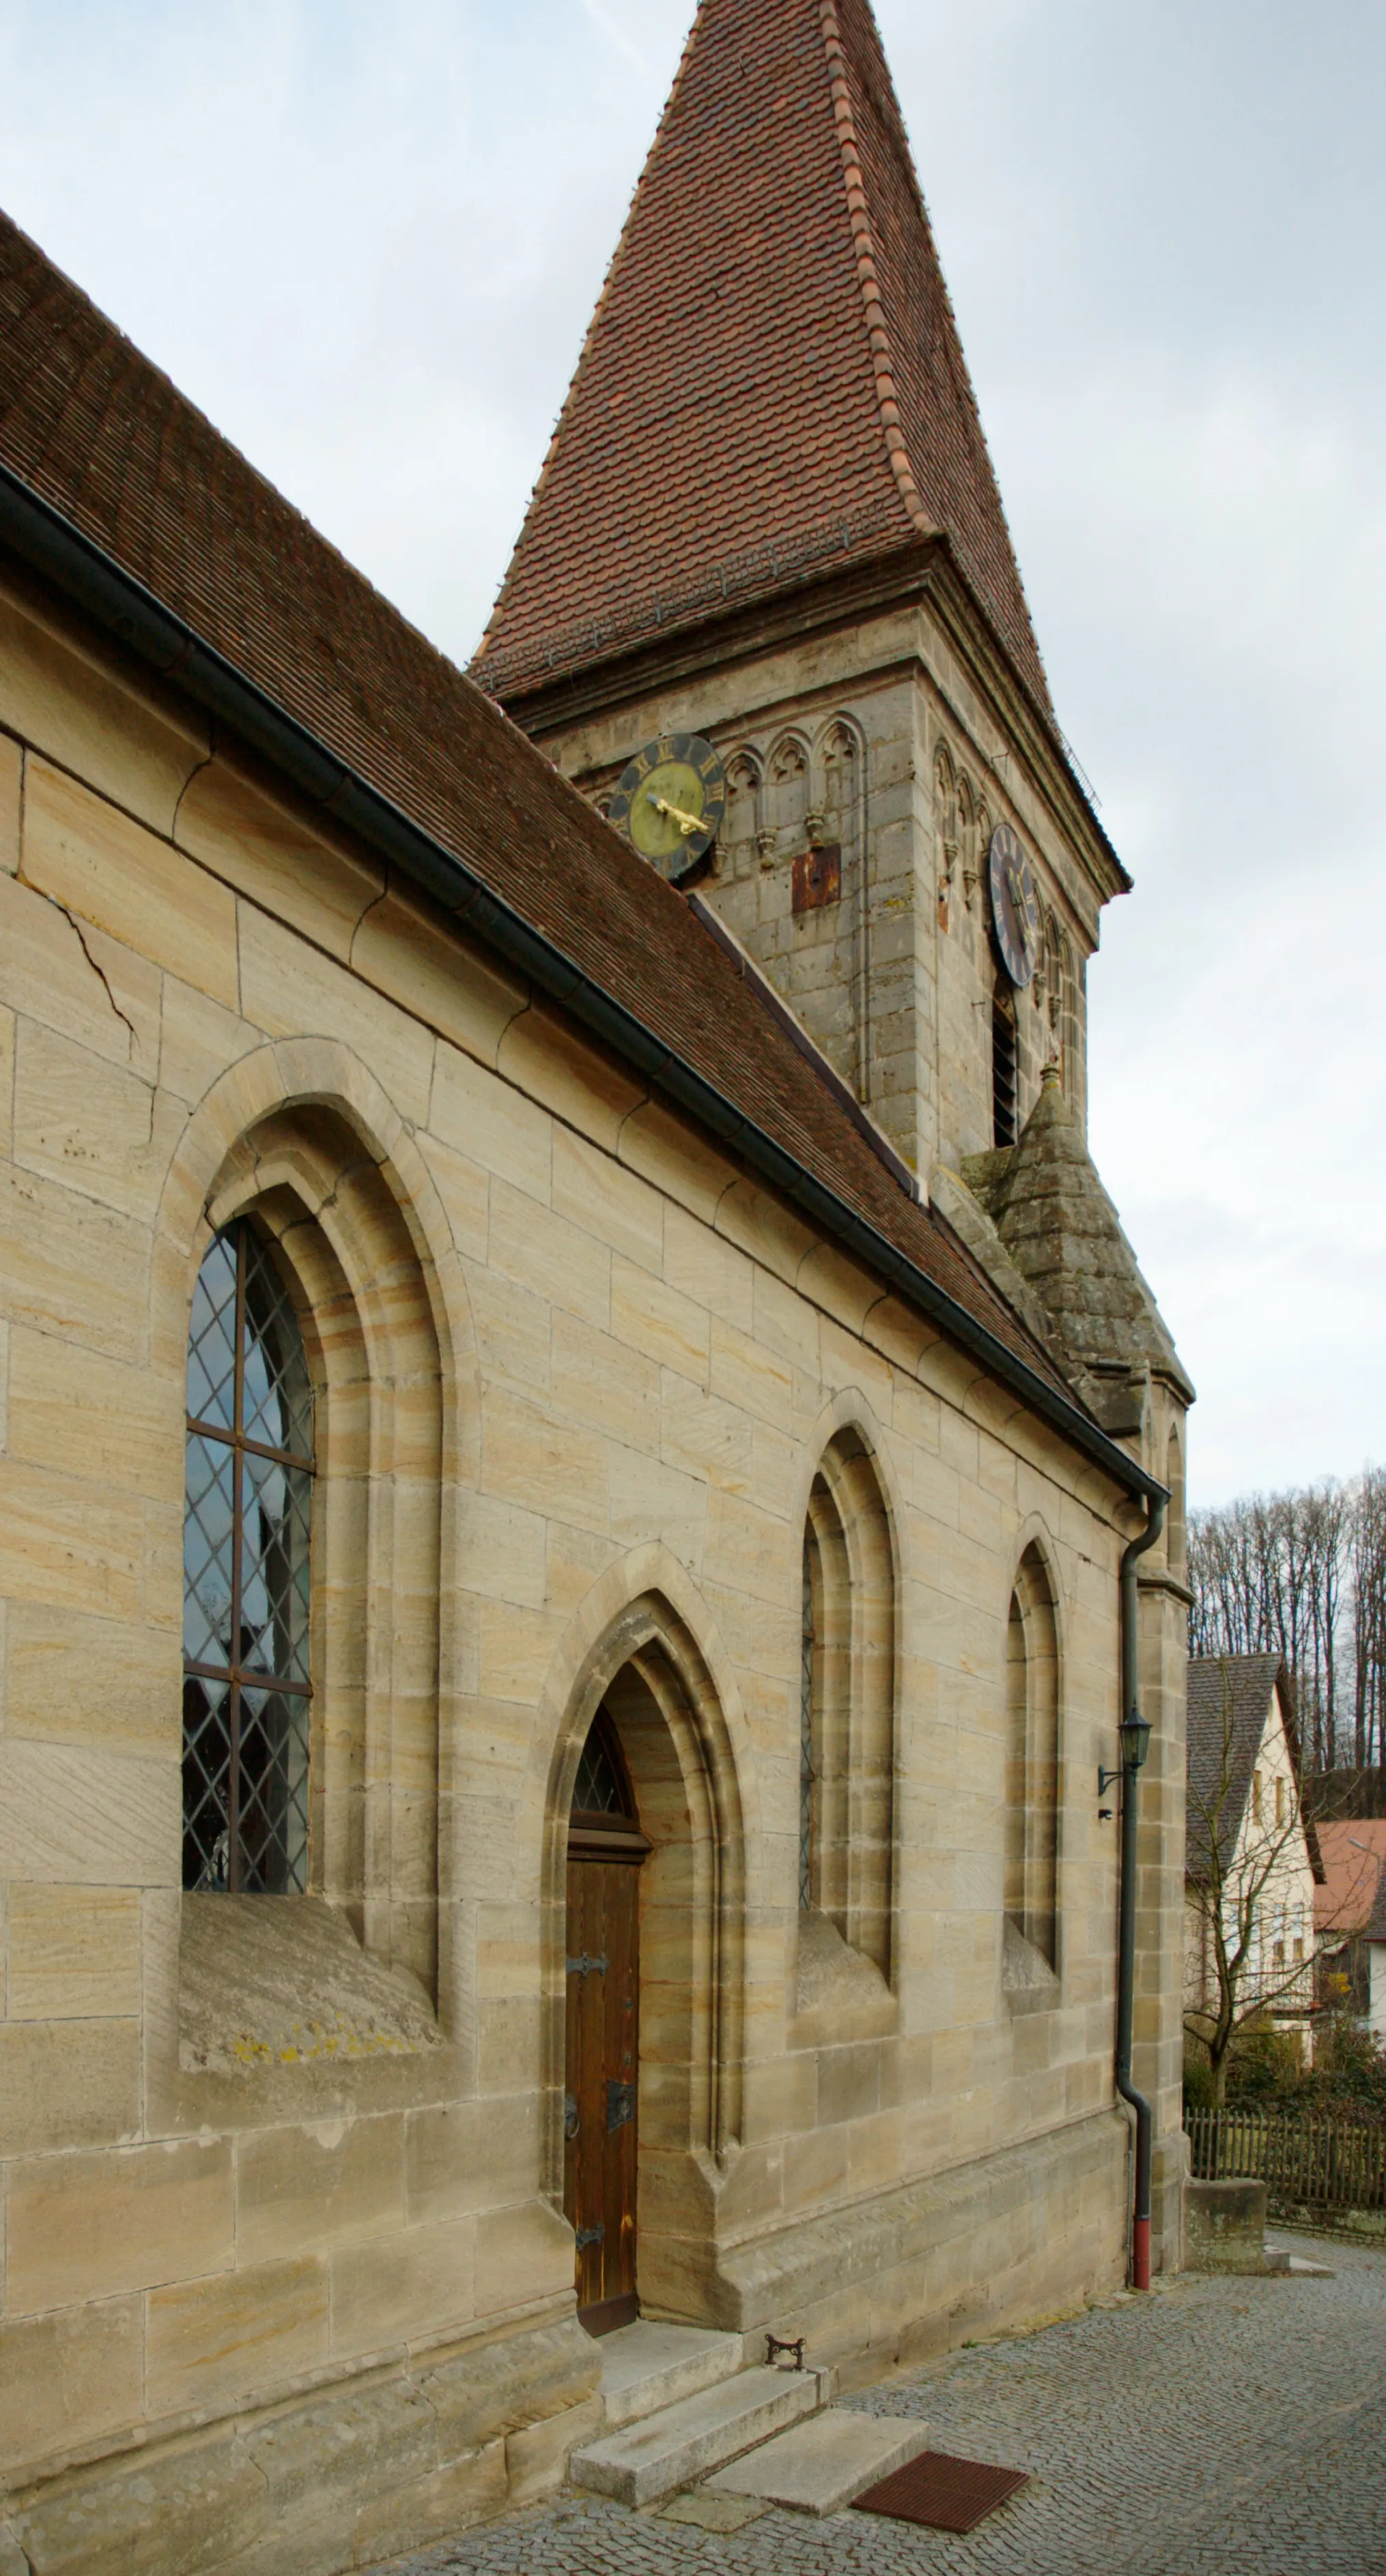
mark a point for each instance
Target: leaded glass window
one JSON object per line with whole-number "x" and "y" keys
{"x": 599, "y": 1789}
{"x": 247, "y": 1531}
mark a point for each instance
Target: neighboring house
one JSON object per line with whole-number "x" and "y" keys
{"x": 1375, "y": 1945}
{"x": 1346, "y": 1907}
{"x": 1250, "y": 1851}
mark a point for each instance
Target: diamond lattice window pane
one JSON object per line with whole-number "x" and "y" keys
{"x": 206, "y": 1782}
{"x": 275, "y": 1568}
{"x": 273, "y": 1792}
{"x": 277, "y": 1402}
{"x": 212, "y": 1336}
{"x": 597, "y": 1791}
{"x": 806, "y": 1666}
{"x": 247, "y": 1557}
{"x": 208, "y": 1513}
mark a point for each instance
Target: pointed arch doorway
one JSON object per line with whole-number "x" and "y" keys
{"x": 602, "y": 2067}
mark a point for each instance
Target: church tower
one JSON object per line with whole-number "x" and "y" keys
{"x": 768, "y": 517}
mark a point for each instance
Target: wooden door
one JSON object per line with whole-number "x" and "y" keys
{"x": 603, "y": 2064}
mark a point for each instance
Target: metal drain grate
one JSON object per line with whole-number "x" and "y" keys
{"x": 948, "y": 2494}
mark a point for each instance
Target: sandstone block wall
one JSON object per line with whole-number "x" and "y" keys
{"x": 575, "y": 1377}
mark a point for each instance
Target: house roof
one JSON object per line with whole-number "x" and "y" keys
{"x": 1229, "y": 1702}
{"x": 773, "y": 381}
{"x": 1354, "y": 1887}
{"x": 121, "y": 490}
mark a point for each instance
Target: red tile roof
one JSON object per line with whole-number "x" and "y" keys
{"x": 1354, "y": 1859}
{"x": 773, "y": 378}
{"x": 109, "y": 444}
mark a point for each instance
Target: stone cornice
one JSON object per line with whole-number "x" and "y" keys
{"x": 1163, "y": 1582}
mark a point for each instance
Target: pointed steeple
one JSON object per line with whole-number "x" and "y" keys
{"x": 773, "y": 382}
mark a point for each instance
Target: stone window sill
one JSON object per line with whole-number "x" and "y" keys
{"x": 1027, "y": 1980}
{"x": 839, "y": 1994}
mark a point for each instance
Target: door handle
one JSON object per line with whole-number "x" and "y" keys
{"x": 571, "y": 2121}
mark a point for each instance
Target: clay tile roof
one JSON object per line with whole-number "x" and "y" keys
{"x": 773, "y": 379}
{"x": 108, "y": 443}
{"x": 1061, "y": 1230}
{"x": 1354, "y": 1890}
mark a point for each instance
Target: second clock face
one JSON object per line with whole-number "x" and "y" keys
{"x": 670, "y": 801}
{"x": 1014, "y": 905}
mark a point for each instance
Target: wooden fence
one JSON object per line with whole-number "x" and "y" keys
{"x": 1310, "y": 2164}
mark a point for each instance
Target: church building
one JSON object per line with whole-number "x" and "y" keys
{"x": 588, "y": 1475}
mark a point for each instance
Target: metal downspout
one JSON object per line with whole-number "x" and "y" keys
{"x": 1126, "y": 1955}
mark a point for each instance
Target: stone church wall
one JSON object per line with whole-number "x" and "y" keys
{"x": 287, "y": 2281}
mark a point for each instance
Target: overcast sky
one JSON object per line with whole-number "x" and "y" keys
{"x": 367, "y": 238}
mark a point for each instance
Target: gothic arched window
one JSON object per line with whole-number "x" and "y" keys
{"x": 788, "y": 792}
{"x": 945, "y": 823}
{"x": 809, "y": 1715}
{"x": 743, "y": 802}
{"x": 247, "y": 1536}
{"x": 841, "y": 791}
{"x": 965, "y": 826}
{"x": 1176, "y": 1543}
{"x": 1032, "y": 1760}
{"x": 1063, "y": 991}
{"x": 847, "y": 1702}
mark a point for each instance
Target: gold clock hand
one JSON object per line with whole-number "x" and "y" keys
{"x": 687, "y": 823}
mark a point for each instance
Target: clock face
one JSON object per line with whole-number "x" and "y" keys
{"x": 1015, "y": 908}
{"x": 670, "y": 801}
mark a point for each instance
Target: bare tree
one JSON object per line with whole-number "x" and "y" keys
{"x": 1369, "y": 1619}
{"x": 1302, "y": 1574}
{"x": 1319, "y": 1543}
{"x": 1242, "y": 1864}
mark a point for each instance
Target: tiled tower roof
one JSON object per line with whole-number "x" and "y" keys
{"x": 1064, "y": 1236}
{"x": 773, "y": 382}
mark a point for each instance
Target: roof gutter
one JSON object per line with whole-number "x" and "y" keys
{"x": 92, "y": 579}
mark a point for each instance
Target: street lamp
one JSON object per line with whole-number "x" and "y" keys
{"x": 1134, "y": 1737}
{"x": 1134, "y": 1732}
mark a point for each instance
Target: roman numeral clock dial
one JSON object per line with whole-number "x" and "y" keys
{"x": 1015, "y": 912}
{"x": 669, "y": 802}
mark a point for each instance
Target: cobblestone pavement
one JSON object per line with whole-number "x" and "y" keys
{"x": 1221, "y": 2427}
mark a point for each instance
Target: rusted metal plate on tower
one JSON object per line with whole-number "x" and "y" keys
{"x": 817, "y": 877}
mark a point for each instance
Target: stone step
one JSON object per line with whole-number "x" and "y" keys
{"x": 1280, "y": 2259}
{"x": 682, "y": 2443}
{"x": 648, "y": 2366}
{"x": 819, "y": 2466}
